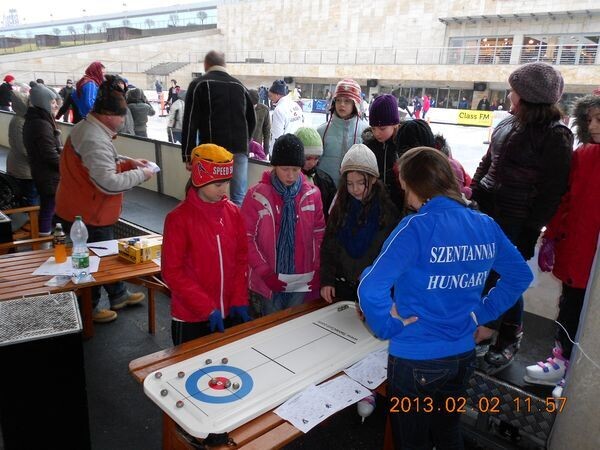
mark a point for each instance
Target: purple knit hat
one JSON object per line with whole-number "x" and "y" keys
{"x": 537, "y": 82}
{"x": 384, "y": 111}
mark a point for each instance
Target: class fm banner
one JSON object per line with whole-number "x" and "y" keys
{"x": 471, "y": 117}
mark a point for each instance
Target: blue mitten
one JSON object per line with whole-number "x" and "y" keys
{"x": 241, "y": 312}
{"x": 216, "y": 321}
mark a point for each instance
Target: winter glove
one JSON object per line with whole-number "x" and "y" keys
{"x": 241, "y": 312}
{"x": 526, "y": 242}
{"x": 216, "y": 321}
{"x": 546, "y": 255}
{"x": 274, "y": 283}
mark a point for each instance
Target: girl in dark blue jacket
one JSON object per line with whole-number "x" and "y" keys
{"x": 436, "y": 261}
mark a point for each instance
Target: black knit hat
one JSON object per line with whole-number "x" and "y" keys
{"x": 414, "y": 133}
{"x": 110, "y": 99}
{"x": 288, "y": 150}
{"x": 279, "y": 87}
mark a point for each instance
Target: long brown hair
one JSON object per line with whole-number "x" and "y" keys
{"x": 537, "y": 113}
{"x": 427, "y": 173}
{"x": 376, "y": 193}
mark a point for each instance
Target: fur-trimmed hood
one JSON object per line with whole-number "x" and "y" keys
{"x": 580, "y": 111}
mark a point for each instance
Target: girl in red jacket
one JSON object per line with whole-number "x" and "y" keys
{"x": 205, "y": 251}
{"x": 570, "y": 240}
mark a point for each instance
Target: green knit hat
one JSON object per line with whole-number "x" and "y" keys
{"x": 313, "y": 145}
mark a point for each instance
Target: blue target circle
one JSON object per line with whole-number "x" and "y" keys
{"x": 247, "y": 383}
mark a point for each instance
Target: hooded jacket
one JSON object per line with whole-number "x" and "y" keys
{"x": 205, "y": 258}
{"x": 41, "y": 137}
{"x": 576, "y": 224}
{"x": 262, "y": 210}
{"x": 17, "y": 163}
{"x": 140, "y": 110}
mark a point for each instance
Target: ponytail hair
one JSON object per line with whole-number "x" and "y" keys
{"x": 428, "y": 174}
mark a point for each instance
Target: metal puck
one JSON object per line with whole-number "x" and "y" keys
{"x": 208, "y": 361}
{"x": 180, "y": 374}
{"x": 224, "y": 360}
{"x": 164, "y": 392}
{"x": 179, "y": 404}
{"x": 158, "y": 375}
{"x": 235, "y": 386}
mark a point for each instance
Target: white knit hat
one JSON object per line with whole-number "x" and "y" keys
{"x": 360, "y": 158}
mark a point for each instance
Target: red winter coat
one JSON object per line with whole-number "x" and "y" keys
{"x": 205, "y": 258}
{"x": 576, "y": 224}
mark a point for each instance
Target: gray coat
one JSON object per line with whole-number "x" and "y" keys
{"x": 17, "y": 163}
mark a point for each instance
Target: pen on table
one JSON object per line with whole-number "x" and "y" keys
{"x": 93, "y": 247}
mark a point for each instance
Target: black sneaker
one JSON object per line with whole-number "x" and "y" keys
{"x": 502, "y": 354}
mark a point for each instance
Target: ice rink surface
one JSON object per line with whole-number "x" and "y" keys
{"x": 466, "y": 142}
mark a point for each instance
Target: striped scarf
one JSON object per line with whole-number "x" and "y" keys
{"x": 287, "y": 232}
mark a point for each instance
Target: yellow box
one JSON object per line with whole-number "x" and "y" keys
{"x": 140, "y": 249}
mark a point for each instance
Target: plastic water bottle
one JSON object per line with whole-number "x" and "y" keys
{"x": 80, "y": 255}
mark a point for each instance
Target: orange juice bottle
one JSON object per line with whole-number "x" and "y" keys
{"x": 59, "y": 243}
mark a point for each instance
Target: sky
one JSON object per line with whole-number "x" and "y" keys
{"x": 31, "y": 11}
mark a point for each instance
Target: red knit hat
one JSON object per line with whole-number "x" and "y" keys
{"x": 8, "y": 78}
{"x": 349, "y": 88}
{"x": 211, "y": 163}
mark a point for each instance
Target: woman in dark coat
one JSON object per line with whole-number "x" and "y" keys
{"x": 520, "y": 181}
{"x": 41, "y": 137}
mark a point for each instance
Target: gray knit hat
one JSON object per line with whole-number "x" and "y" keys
{"x": 537, "y": 82}
{"x": 360, "y": 158}
{"x": 40, "y": 96}
{"x": 313, "y": 145}
{"x": 288, "y": 150}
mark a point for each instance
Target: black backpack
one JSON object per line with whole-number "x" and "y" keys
{"x": 10, "y": 192}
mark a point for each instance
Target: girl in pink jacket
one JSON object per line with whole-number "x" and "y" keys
{"x": 284, "y": 221}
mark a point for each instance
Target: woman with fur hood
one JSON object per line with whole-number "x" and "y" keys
{"x": 569, "y": 242}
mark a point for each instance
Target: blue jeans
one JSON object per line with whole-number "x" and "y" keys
{"x": 239, "y": 182}
{"x": 116, "y": 291}
{"x": 419, "y": 428}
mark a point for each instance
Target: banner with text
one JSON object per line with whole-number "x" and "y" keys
{"x": 470, "y": 117}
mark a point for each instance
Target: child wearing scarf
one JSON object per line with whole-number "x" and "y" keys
{"x": 284, "y": 221}
{"x": 362, "y": 217}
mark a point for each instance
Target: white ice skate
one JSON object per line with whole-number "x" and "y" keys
{"x": 550, "y": 372}
{"x": 558, "y": 389}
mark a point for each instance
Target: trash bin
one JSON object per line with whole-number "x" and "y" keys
{"x": 43, "y": 399}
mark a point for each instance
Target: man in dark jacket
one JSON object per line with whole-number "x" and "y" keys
{"x": 218, "y": 110}
{"x": 65, "y": 93}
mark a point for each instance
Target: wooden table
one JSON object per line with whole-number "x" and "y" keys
{"x": 264, "y": 432}
{"x": 16, "y": 280}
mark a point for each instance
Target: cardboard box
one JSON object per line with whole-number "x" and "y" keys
{"x": 140, "y": 249}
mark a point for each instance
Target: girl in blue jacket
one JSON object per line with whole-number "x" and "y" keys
{"x": 436, "y": 260}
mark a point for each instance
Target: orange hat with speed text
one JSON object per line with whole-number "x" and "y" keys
{"x": 211, "y": 163}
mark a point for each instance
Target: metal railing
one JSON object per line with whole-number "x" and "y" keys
{"x": 560, "y": 54}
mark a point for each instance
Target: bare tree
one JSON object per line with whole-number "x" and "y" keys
{"x": 105, "y": 26}
{"x": 202, "y": 16}
{"x": 86, "y": 29}
{"x": 126, "y": 22}
{"x": 73, "y": 32}
{"x": 56, "y": 31}
{"x": 173, "y": 20}
{"x": 149, "y": 23}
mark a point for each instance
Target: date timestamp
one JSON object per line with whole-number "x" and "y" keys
{"x": 486, "y": 405}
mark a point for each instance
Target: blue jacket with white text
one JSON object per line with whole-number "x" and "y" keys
{"x": 437, "y": 261}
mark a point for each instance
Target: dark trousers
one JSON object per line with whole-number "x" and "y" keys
{"x": 28, "y": 191}
{"x": 187, "y": 331}
{"x": 116, "y": 291}
{"x": 444, "y": 381}
{"x": 569, "y": 310}
{"x": 47, "y": 205}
